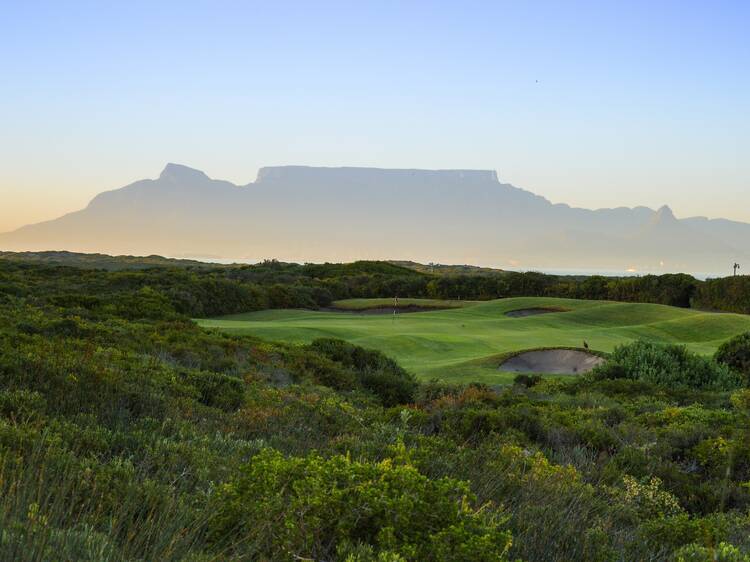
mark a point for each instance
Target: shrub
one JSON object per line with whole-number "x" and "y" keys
{"x": 714, "y": 454}
{"x": 354, "y": 356}
{"x": 435, "y": 389}
{"x": 21, "y": 404}
{"x": 311, "y": 506}
{"x": 378, "y": 373}
{"x": 390, "y": 387}
{"x": 322, "y": 370}
{"x": 216, "y": 390}
{"x": 647, "y": 498}
{"x": 735, "y": 353}
{"x": 670, "y": 365}
{"x": 609, "y": 371}
{"x": 145, "y": 303}
{"x": 527, "y": 380}
{"x": 66, "y": 327}
{"x": 682, "y": 530}
{"x": 722, "y": 553}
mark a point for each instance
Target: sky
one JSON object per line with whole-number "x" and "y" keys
{"x": 596, "y": 104}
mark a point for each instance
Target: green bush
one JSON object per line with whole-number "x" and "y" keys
{"x": 216, "y": 390}
{"x": 377, "y": 372}
{"x": 322, "y": 370}
{"x": 308, "y": 507}
{"x": 722, "y": 553}
{"x": 391, "y": 388}
{"x": 669, "y": 365}
{"x": 527, "y": 380}
{"x": 735, "y": 353}
{"x": 21, "y": 404}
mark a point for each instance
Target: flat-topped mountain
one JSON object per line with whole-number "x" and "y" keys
{"x": 301, "y": 213}
{"x": 365, "y": 176}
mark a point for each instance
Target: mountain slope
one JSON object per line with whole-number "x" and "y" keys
{"x": 314, "y": 214}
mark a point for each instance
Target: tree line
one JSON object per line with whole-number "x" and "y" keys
{"x": 211, "y": 291}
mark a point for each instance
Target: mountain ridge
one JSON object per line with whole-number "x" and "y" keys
{"x": 307, "y": 213}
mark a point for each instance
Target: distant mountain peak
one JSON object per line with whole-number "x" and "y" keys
{"x": 178, "y": 172}
{"x": 664, "y": 214}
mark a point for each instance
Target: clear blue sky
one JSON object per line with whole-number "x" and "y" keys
{"x": 636, "y": 102}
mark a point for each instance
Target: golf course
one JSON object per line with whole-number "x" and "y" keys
{"x": 463, "y": 341}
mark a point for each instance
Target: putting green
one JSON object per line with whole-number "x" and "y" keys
{"x": 467, "y": 343}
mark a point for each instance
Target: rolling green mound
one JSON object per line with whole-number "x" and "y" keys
{"x": 469, "y": 342}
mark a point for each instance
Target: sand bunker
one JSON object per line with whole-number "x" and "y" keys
{"x": 523, "y": 312}
{"x": 553, "y": 361}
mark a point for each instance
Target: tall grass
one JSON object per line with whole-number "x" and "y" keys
{"x": 48, "y": 513}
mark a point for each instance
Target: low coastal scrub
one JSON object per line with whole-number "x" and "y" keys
{"x": 328, "y": 508}
{"x": 669, "y": 365}
{"x": 377, "y": 373}
{"x": 129, "y": 433}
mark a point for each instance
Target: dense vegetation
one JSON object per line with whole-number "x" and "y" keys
{"x": 670, "y": 365}
{"x": 730, "y": 294}
{"x": 735, "y": 353}
{"x": 128, "y": 433}
{"x": 273, "y": 284}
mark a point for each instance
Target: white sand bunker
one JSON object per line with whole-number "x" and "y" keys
{"x": 524, "y": 312}
{"x": 552, "y": 361}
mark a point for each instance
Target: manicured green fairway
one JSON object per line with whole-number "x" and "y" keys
{"x": 466, "y": 343}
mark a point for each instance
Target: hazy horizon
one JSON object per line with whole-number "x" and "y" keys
{"x": 593, "y": 105}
